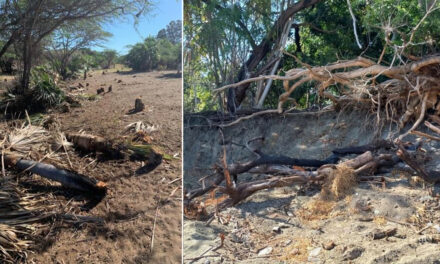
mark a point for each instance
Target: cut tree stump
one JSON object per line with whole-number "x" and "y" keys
{"x": 138, "y": 105}
{"x": 91, "y": 143}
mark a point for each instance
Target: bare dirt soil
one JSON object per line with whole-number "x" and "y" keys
{"x": 129, "y": 208}
{"x": 294, "y": 224}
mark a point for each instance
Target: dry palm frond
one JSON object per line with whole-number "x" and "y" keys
{"x": 20, "y": 214}
{"x": 26, "y": 138}
{"x": 12, "y": 249}
{"x": 60, "y": 141}
{"x": 35, "y": 142}
{"x": 140, "y": 126}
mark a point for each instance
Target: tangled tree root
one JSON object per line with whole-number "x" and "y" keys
{"x": 406, "y": 93}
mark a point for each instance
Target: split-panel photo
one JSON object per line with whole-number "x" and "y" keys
{"x": 311, "y": 131}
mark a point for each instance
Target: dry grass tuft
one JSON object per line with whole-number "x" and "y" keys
{"x": 380, "y": 220}
{"x": 316, "y": 209}
{"x": 339, "y": 183}
{"x": 296, "y": 252}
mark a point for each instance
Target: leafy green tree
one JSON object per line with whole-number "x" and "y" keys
{"x": 69, "y": 39}
{"x": 29, "y": 22}
{"x": 172, "y": 33}
{"x": 143, "y": 56}
{"x": 110, "y": 57}
{"x": 169, "y": 54}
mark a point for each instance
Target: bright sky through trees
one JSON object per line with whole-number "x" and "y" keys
{"x": 124, "y": 33}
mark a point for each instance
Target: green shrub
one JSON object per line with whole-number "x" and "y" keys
{"x": 143, "y": 56}
{"x": 44, "y": 91}
{"x": 42, "y": 95}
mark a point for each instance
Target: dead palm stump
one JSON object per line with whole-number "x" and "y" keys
{"x": 138, "y": 105}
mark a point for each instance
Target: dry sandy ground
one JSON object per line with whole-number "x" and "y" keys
{"x": 292, "y": 224}
{"x": 129, "y": 208}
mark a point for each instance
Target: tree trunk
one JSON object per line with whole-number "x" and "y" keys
{"x": 8, "y": 44}
{"x": 27, "y": 63}
{"x": 260, "y": 52}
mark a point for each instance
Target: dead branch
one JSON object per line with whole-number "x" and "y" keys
{"x": 361, "y": 149}
{"x": 432, "y": 127}
{"x": 431, "y": 176}
{"x": 408, "y": 93}
{"x": 422, "y": 134}
{"x": 244, "y": 190}
{"x": 268, "y": 164}
{"x": 263, "y": 159}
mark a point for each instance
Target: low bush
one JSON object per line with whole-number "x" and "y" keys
{"x": 43, "y": 94}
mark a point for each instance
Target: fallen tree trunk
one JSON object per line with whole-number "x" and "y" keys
{"x": 239, "y": 168}
{"x": 67, "y": 178}
{"x": 265, "y": 163}
{"x": 361, "y": 149}
{"x": 244, "y": 190}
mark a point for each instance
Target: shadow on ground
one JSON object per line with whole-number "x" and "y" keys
{"x": 170, "y": 75}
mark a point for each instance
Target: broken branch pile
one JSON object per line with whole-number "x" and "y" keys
{"x": 336, "y": 179}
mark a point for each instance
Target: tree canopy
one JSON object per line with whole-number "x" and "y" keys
{"x": 27, "y": 23}
{"x": 230, "y": 41}
{"x": 160, "y": 52}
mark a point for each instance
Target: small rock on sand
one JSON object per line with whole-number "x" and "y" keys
{"x": 329, "y": 245}
{"x": 265, "y": 251}
{"x": 353, "y": 253}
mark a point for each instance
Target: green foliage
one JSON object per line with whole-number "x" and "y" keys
{"x": 198, "y": 98}
{"x": 219, "y": 34}
{"x": 68, "y": 40}
{"x": 172, "y": 33}
{"x": 45, "y": 93}
{"x": 154, "y": 53}
{"x": 143, "y": 56}
{"x": 110, "y": 57}
{"x": 169, "y": 54}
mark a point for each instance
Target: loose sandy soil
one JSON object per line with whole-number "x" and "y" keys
{"x": 129, "y": 208}
{"x": 294, "y": 224}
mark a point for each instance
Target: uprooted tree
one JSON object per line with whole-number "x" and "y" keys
{"x": 397, "y": 80}
{"x": 226, "y": 51}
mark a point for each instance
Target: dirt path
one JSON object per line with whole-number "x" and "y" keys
{"x": 130, "y": 207}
